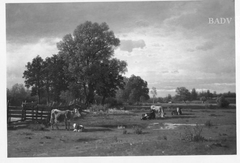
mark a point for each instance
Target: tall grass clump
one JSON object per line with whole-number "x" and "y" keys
{"x": 193, "y": 134}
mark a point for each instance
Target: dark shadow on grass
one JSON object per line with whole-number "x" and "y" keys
{"x": 177, "y": 117}
{"x": 97, "y": 129}
{"x": 80, "y": 140}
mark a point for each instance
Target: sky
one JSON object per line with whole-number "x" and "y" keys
{"x": 169, "y": 44}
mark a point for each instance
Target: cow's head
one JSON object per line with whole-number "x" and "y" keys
{"x": 76, "y": 112}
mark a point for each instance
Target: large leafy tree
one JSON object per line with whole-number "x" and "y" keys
{"x": 135, "y": 88}
{"x": 34, "y": 76}
{"x": 90, "y": 45}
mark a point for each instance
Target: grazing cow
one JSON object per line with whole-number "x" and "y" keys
{"x": 150, "y": 115}
{"x": 77, "y": 127}
{"x": 158, "y": 109}
{"x": 65, "y": 116}
{"x": 178, "y": 111}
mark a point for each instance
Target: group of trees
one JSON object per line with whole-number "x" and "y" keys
{"x": 84, "y": 67}
{"x": 183, "y": 95}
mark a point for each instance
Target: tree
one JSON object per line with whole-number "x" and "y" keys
{"x": 222, "y": 102}
{"x": 34, "y": 76}
{"x": 194, "y": 94}
{"x": 154, "y": 93}
{"x": 90, "y": 45}
{"x": 56, "y": 80}
{"x": 110, "y": 78}
{"x": 17, "y": 94}
{"x": 183, "y": 93}
{"x": 135, "y": 88}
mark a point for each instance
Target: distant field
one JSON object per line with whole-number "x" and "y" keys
{"x": 124, "y": 134}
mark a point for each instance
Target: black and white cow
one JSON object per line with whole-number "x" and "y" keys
{"x": 150, "y": 115}
{"x": 178, "y": 111}
{"x": 158, "y": 109}
{"x": 65, "y": 116}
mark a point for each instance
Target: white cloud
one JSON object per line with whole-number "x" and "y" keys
{"x": 129, "y": 45}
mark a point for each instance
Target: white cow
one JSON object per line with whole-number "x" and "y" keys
{"x": 158, "y": 109}
{"x": 66, "y": 116}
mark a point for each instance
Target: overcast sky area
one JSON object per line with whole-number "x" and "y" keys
{"x": 167, "y": 44}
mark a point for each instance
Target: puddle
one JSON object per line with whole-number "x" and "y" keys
{"x": 169, "y": 126}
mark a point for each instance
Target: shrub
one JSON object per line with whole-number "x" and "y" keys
{"x": 222, "y": 102}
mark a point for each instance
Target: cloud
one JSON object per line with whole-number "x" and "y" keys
{"x": 129, "y": 45}
{"x": 206, "y": 46}
{"x": 19, "y": 54}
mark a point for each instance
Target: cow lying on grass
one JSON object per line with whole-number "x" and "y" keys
{"x": 178, "y": 111}
{"x": 150, "y": 115}
{"x": 158, "y": 109}
{"x": 65, "y": 116}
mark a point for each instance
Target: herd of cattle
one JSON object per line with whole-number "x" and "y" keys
{"x": 67, "y": 116}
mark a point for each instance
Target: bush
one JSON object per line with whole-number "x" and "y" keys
{"x": 222, "y": 102}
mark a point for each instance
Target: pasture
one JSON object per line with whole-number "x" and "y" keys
{"x": 197, "y": 132}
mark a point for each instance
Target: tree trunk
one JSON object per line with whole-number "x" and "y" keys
{"x": 103, "y": 100}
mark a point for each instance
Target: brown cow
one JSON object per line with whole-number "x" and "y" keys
{"x": 65, "y": 116}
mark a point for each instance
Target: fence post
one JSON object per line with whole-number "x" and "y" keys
{"x": 36, "y": 115}
{"x": 23, "y": 113}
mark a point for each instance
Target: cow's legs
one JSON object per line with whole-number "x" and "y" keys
{"x": 67, "y": 124}
{"x": 56, "y": 124}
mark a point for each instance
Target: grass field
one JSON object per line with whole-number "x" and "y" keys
{"x": 196, "y": 132}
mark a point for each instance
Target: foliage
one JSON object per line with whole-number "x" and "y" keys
{"x": 134, "y": 89}
{"x": 183, "y": 93}
{"x": 18, "y": 94}
{"x": 84, "y": 67}
{"x": 34, "y": 76}
{"x": 110, "y": 78}
{"x": 222, "y": 102}
{"x": 85, "y": 53}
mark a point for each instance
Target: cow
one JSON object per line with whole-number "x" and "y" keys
{"x": 150, "y": 115}
{"x": 77, "y": 127}
{"x": 178, "y": 111}
{"x": 65, "y": 116}
{"x": 158, "y": 109}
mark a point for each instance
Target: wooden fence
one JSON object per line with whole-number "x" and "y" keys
{"x": 22, "y": 116}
